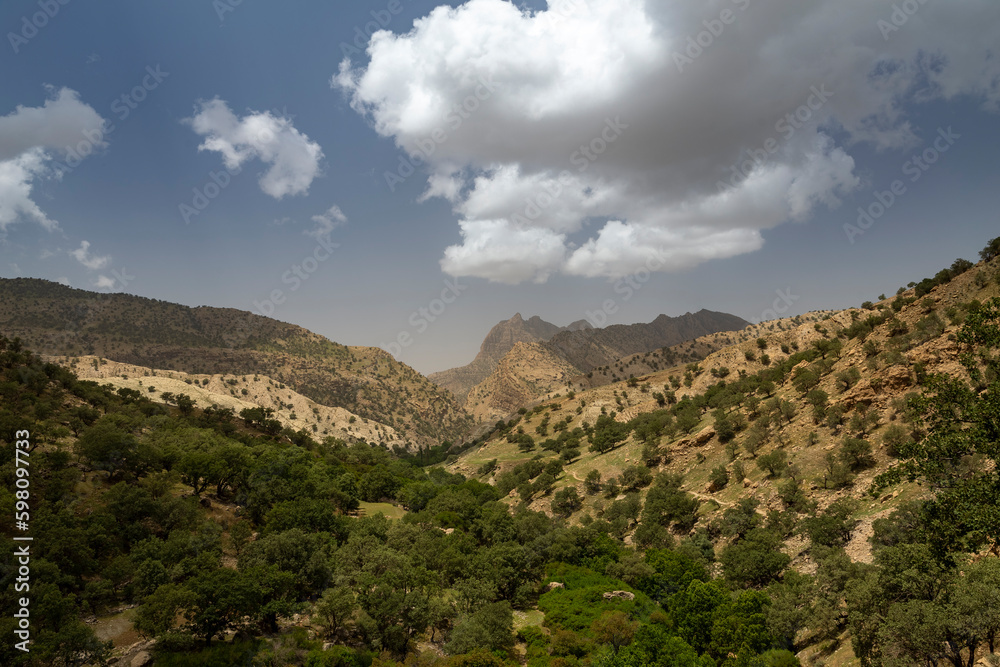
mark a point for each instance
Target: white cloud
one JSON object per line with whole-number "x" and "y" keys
{"x": 104, "y": 282}
{"x": 327, "y": 222}
{"x": 293, "y": 159}
{"x": 61, "y": 123}
{"x": 92, "y": 262}
{"x": 500, "y": 101}
{"x": 30, "y": 137}
{"x": 499, "y": 251}
{"x": 16, "y": 179}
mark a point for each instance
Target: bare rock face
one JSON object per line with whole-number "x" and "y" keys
{"x": 524, "y": 373}
{"x": 704, "y": 436}
{"x": 619, "y": 595}
{"x": 141, "y": 659}
{"x": 498, "y": 342}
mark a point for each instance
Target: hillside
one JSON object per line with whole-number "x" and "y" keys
{"x": 794, "y": 422}
{"x": 291, "y": 409}
{"x": 765, "y": 488}
{"x": 60, "y": 321}
{"x": 498, "y": 342}
{"x": 689, "y": 351}
{"x": 526, "y": 372}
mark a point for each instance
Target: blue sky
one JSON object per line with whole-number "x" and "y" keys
{"x": 265, "y": 86}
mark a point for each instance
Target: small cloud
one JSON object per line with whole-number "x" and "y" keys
{"x": 293, "y": 158}
{"x": 327, "y": 222}
{"x": 282, "y": 222}
{"x": 92, "y": 262}
{"x": 103, "y": 282}
{"x": 63, "y": 280}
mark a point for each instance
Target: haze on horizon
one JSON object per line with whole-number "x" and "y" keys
{"x": 423, "y": 170}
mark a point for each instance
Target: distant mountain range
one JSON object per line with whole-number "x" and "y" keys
{"x": 519, "y": 360}
{"x": 522, "y": 359}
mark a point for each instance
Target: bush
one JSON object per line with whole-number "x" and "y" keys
{"x": 774, "y": 463}
{"x": 719, "y": 478}
{"x": 856, "y": 454}
{"x": 991, "y": 250}
{"x": 894, "y": 439}
{"x": 754, "y": 561}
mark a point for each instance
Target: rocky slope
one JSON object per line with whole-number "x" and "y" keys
{"x": 866, "y": 372}
{"x": 498, "y": 342}
{"x": 528, "y": 371}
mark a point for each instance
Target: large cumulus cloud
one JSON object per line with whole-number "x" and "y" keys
{"x": 590, "y": 136}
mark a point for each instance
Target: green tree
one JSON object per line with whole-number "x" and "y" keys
{"x": 566, "y": 501}
{"x": 159, "y": 611}
{"x": 490, "y": 627}
{"x": 614, "y": 628}
{"x": 774, "y": 463}
{"x": 592, "y": 483}
{"x": 756, "y": 560}
{"x": 960, "y": 415}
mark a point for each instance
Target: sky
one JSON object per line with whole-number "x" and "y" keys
{"x": 405, "y": 173}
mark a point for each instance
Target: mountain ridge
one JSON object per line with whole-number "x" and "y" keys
{"x": 61, "y": 321}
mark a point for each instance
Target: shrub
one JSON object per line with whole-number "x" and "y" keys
{"x": 774, "y": 463}
{"x": 895, "y": 438}
{"x": 719, "y": 478}
{"x": 856, "y": 454}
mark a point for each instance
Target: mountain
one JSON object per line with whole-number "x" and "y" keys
{"x": 498, "y": 342}
{"x": 53, "y": 319}
{"x": 530, "y": 372}
{"x": 591, "y": 348}
{"x": 526, "y": 372}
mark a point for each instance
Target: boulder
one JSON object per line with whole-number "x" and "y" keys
{"x": 619, "y": 595}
